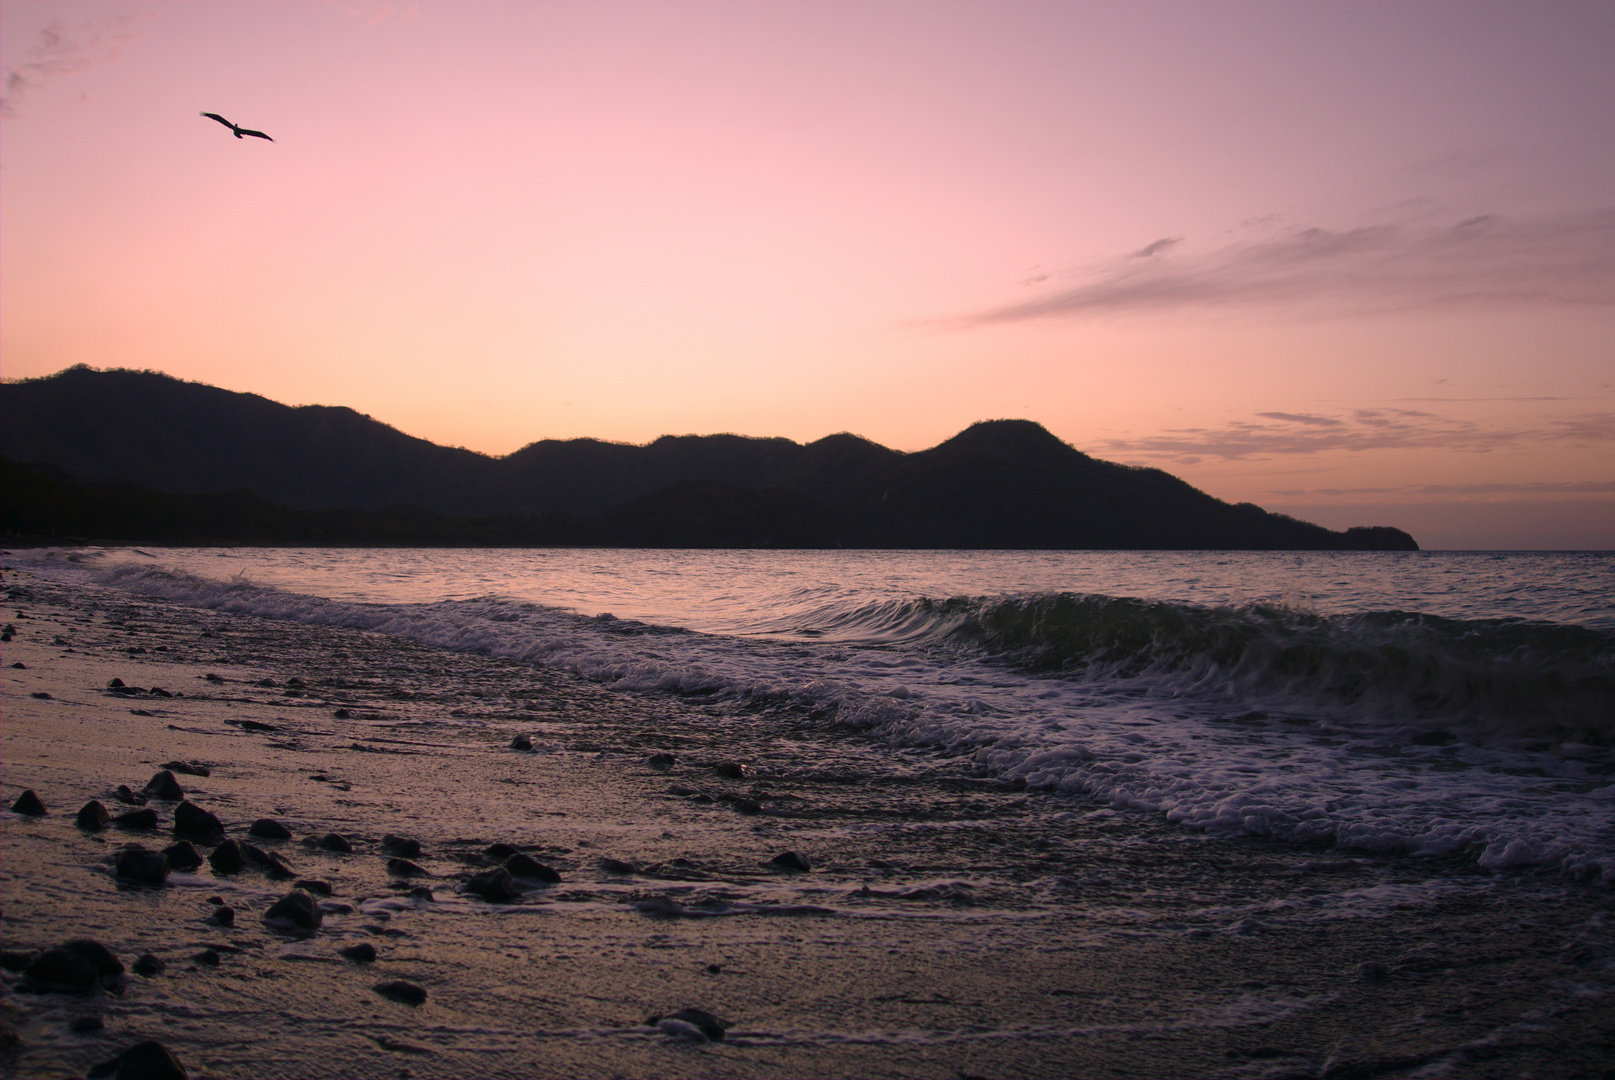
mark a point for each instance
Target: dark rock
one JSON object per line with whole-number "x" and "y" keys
{"x": 92, "y": 817}
{"x": 405, "y": 868}
{"x": 315, "y": 886}
{"x": 402, "y": 846}
{"x": 209, "y": 957}
{"x": 142, "y": 1061}
{"x": 500, "y": 852}
{"x": 148, "y": 965}
{"x": 296, "y": 683}
{"x": 212, "y": 678}
{"x": 335, "y": 842}
{"x": 494, "y": 886}
{"x": 126, "y": 795}
{"x": 421, "y": 892}
{"x": 790, "y": 860}
{"x": 661, "y": 761}
{"x": 192, "y": 820}
{"x": 182, "y": 855}
{"x": 524, "y": 866}
{"x": 268, "y": 683}
{"x": 137, "y": 864}
{"x": 342, "y": 714}
{"x": 227, "y": 858}
{"x": 158, "y": 691}
{"x": 28, "y": 803}
{"x": 295, "y": 910}
{"x": 188, "y": 768}
{"x": 114, "y": 684}
{"x": 521, "y": 742}
{"x": 17, "y": 959}
{"x": 255, "y": 725}
{"x": 1372, "y": 971}
{"x": 164, "y": 786}
{"x": 20, "y": 666}
{"x": 75, "y": 965}
{"x": 267, "y": 861}
{"x": 617, "y": 866}
{"x": 138, "y": 712}
{"x": 748, "y": 806}
{"x": 269, "y": 829}
{"x": 363, "y": 953}
{"x": 401, "y": 990}
{"x": 704, "y": 1022}
{"x": 223, "y": 915}
{"x": 83, "y": 1025}
{"x": 144, "y": 818}
{"x": 41, "y": 695}
{"x": 731, "y": 770}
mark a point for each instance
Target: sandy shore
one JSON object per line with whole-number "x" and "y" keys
{"x": 948, "y": 925}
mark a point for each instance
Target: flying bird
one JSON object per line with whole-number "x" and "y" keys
{"x": 237, "y": 129}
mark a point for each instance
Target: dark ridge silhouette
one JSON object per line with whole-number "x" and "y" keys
{"x": 129, "y": 456}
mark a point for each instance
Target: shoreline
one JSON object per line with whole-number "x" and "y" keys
{"x": 948, "y": 925}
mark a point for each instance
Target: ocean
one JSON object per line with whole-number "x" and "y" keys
{"x": 1455, "y": 705}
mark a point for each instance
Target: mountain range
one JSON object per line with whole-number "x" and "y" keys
{"x": 138, "y": 456}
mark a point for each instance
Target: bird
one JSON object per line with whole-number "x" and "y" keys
{"x": 237, "y": 129}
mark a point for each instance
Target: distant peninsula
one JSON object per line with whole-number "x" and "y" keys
{"x": 120, "y": 456}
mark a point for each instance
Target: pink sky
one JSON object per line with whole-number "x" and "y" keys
{"x": 1353, "y": 262}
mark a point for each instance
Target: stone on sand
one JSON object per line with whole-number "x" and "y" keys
{"x": 75, "y": 965}
{"x": 494, "y": 886}
{"x": 164, "y": 786}
{"x": 269, "y": 829}
{"x": 92, "y": 816}
{"x": 405, "y": 868}
{"x": 227, "y": 858}
{"x": 525, "y": 866}
{"x": 149, "y": 1060}
{"x": 691, "y": 1025}
{"x": 137, "y": 864}
{"x": 403, "y": 846}
{"x": 335, "y": 842}
{"x": 296, "y": 911}
{"x": 791, "y": 861}
{"x": 144, "y": 818}
{"x": 401, "y": 990}
{"x": 192, "y": 820}
{"x": 28, "y": 803}
{"x": 182, "y": 855}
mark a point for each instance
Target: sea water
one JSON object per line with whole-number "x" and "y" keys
{"x": 1434, "y": 704}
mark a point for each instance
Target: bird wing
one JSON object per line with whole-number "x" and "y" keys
{"x": 254, "y": 134}
{"x": 220, "y": 119}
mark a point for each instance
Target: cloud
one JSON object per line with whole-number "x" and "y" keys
{"x": 1560, "y": 259}
{"x": 1278, "y": 433}
{"x": 1538, "y": 487}
{"x": 63, "y": 50}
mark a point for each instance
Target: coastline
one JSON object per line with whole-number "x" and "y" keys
{"x": 1003, "y": 931}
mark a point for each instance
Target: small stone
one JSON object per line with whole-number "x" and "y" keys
{"x": 269, "y": 829}
{"x": 405, "y": 868}
{"x": 137, "y": 864}
{"x": 617, "y": 866}
{"x": 421, "y": 892}
{"x": 401, "y": 990}
{"x": 212, "y": 678}
{"x": 92, "y": 817}
{"x": 402, "y": 846}
{"x": 267, "y": 861}
{"x": 148, "y": 965}
{"x": 143, "y": 1061}
{"x": 362, "y": 953}
{"x": 315, "y": 886}
{"x": 223, "y": 915}
{"x": 227, "y": 858}
{"x": 192, "y": 820}
{"x": 83, "y": 1025}
{"x": 748, "y": 806}
{"x": 114, "y": 684}
{"x": 295, "y": 910}
{"x": 731, "y": 770}
{"x": 182, "y": 855}
{"x": 75, "y": 965}
{"x": 209, "y": 957}
{"x": 164, "y": 786}
{"x": 521, "y": 742}
{"x": 17, "y": 959}
{"x": 188, "y": 768}
{"x": 494, "y": 886}
{"x": 500, "y": 852}
{"x": 126, "y": 795}
{"x": 342, "y": 714}
{"x": 1372, "y": 971}
{"x": 661, "y": 761}
{"x": 255, "y": 725}
{"x": 41, "y": 695}
{"x": 144, "y": 818}
{"x": 790, "y": 861}
{"x": 709, "y": 1027}
{"x": 525, "y": 866}
{"x": 28, "y": 803}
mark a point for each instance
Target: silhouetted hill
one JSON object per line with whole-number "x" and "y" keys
{"x": 140, "y": 456}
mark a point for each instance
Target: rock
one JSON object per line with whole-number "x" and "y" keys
{"x": 362, "y": 953}
{"x": 267, "y": 861}
{"x": 188, "y": 768}
{"x": 342, "y": 714}
{"x": 402, "y": 846}
{"x": 1372, "y": 971}
{"x": 731, "y": 770}
{"x": 335, "y": 842}
{"x": 28, "y": 803}
{"x": 227, "y": 858}
{"x": 41, "y": 695}
{"x": 269, "y": 829}
{"x": 494, "y": 886}
{"x": 401, "y": 990}
{"x": 315, "y": 886}
{"x": 164, "y": 786}
{"x": 500, "y": 852}
{"x": 83, "y": 1025}
{"x": 142, "y": 1061}
{"x": 92, "y": 817}
{"x": 148, "y": 965}
{"x": 137, "y": 864}
{"x": 212, "y": 678}
{"x": 661, "y": 761}
{"x": 208, "y": 957}
{"x": 708, "y": 1027}
{"x": 421, "y": 892}
{"x": 255, "y": 725}
{"x": 223, "y": 915}
{"x": 405, "y": 868}
{"x": 114, "y": 684}
{"x": 521, "y": 742}
{"x": 126, "y": 795}
{"x": 748, "y": 806}
{"x": 182, "y": 855}
{"x": 17, "y": 959}
{"x": 791, "y": 861}
{"x": 524, "y": 866}
{"x": 192, "y": 820}
{"x": 296, "y": 911}
{"x": 144, "y": 818}
{"x": 617, "y": 866}
{"x": 75, "y": 965}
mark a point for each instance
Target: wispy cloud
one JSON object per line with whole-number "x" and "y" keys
{"x": 1278, "y": 433}
{"x": 1541, "y": 487}
{"x": 1489, "y": 259}
{"x": 62, "y": 50}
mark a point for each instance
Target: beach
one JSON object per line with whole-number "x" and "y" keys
{"x": 937, "y": 919}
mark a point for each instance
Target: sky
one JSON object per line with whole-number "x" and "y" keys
{"x": 1352, "y": 262}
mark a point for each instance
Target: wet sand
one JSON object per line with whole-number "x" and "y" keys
{"x": 949, "y": 925}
